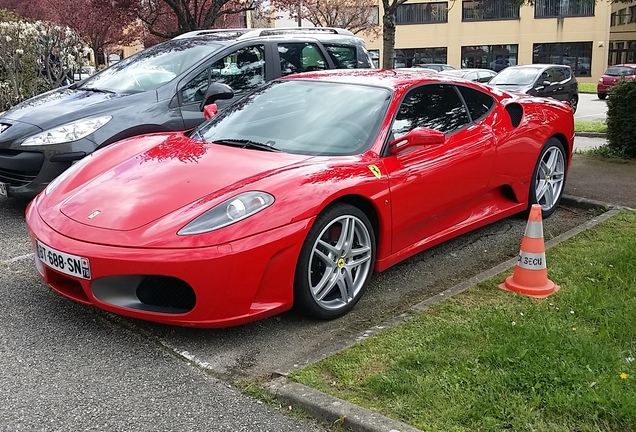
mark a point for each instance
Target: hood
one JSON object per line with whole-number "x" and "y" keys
{"x": 175, "y": 172}
{"x": 68, "y": 104}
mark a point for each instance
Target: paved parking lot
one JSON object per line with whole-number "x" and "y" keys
{"x": 591, "y": 108}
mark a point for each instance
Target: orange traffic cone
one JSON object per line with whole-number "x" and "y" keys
{"x": 530, "y": 276}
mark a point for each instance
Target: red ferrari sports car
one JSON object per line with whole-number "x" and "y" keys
{"x": 295, "y": 195}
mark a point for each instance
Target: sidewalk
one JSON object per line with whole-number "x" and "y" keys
{"x": 600, "y": 179}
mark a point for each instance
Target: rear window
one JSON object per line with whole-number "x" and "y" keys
{"x": 344, "y": 57}
{"x": 619, "y": 71}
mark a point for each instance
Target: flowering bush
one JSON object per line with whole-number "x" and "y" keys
{"x": 35, "y": 57}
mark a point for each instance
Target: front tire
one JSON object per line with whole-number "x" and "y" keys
{"x": 602, "y": 95}
{"x": 574, "y": 102}
{"x": 548, "y": 177}
{"x": 335, "y": 262}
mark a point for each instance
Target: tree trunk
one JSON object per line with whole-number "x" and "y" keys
{"x": 388, "y": 39}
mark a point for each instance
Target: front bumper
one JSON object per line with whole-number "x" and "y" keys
{"x": 232, "y": 283}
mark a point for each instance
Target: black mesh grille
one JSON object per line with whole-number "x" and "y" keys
{"x": 166, "y": 291}
{"x": 516, "y": 113}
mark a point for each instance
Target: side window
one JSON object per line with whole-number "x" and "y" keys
{"x": 433, "y": 106}
{"x": 195, "y": 89}
{"x": 547, "y": 75}
{"x": 472, "y": 76}
{"x": 344, "y": 57}
{"x": 479, "y": 103}
{"x": 485, "y": 76}
{"x": 298, "y": 57}
{"x": 243, "y": 70}
{"x": 559, "y": 75}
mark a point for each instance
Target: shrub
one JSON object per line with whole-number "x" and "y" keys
{"x": 621, "y": 118}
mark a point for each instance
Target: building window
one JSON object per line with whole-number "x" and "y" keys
{"x": 489, "y": 10}
{"x": 622, "y": 16}
{"x": 613, "y": 19}
{"x": 577, "y": 55}
{"x": 375, "y": 57}
{"x": 422, "y": 13}
{"x": 622, "y": 52}
{"x": 494, "y": 57}
{"x": 415, "y": 56}
{"x": 563, "y": 8}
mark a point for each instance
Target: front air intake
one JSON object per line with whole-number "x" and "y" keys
{"x": 166, "y": 291}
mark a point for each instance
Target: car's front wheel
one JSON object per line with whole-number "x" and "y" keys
{"x": 574, "y": 102}
{"x": 335, "y": 262}
{"x": 602, "y": 95}
{"x": 548, "y": 178}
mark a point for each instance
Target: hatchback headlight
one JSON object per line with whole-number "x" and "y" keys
{"x": 228, "y": 212}
{"x": 68, "y": 132}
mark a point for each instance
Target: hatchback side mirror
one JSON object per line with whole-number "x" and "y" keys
{"x": 417, "y": 137}
{"x": 216, "y": 91}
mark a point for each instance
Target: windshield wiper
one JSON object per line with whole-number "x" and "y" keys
{"x": 97, "y": 90}
{"x": 243, "y": 143}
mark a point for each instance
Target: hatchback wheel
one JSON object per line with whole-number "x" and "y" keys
{"x": 574, "y": 102}
{"x": 335, "y": 262}
{"x": 602, "y": 95}
{"x": 549, "y": 177}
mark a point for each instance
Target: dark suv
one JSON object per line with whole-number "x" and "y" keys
{"x": 545, "y": 80}
{"x": 156, "y": 90}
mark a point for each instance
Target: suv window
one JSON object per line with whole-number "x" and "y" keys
{"x": 344, "y": 57}
{"x": 298, "y": 57}
{"x": 433, "y": 106}
{"x": 479, "y": 103}
{"x": 243, "y": 70}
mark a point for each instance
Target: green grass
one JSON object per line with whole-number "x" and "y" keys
{"x": 607, "y": 152}
{"x": 587, "y": 87}
{"x": 491, "y": 360}
{"x": 590, "y": 126}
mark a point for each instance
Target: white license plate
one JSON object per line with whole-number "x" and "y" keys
{"x": 3, "y": 189}
{"x": 71, "y": 265}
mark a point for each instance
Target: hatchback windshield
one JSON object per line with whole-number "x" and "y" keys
{"x": 620, "y": 71}
{"x": 516, "y": 76}
{"x": 152, "y": 67}
{"x": 302, "y": 117}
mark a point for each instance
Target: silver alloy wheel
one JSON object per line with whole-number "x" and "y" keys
{"x": 340, "y": 262}
{"x": 550, "y": 178}
{"x": 574, "y": 101}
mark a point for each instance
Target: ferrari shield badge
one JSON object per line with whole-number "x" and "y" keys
{"x": 375, "y": 170}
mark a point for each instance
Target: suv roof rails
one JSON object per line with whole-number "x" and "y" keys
{"x": 236, "y": 32}
{"x": 244, "y": 33}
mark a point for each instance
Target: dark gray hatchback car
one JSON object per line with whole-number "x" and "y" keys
{"x": 159, "y": 89}
{"x": 545, "y": 80}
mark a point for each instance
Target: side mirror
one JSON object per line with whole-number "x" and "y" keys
{"x": 417, "y": 137}
{"x": 546, "y": 83}
{"x": 216, "y": 91}
{"x": 210, "y": 111}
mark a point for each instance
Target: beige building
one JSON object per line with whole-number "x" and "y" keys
{"x": 622, "y": 40}
{"x": 494, "y": 34}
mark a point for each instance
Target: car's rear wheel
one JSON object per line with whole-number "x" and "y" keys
{"x": 548, "y": 178}
{"x": 335, "y": 262}
{"x": 602, "y": 95}
{"x": 574, "y": 102}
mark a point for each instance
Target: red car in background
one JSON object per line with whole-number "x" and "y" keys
{"x": 295, "y": 195}
{"x": 612, "y": 75}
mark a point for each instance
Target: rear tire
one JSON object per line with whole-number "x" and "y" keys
{"x": 335, "y": 263}
{"x": 548, "y": 177}
{"x": 574, "y": 102}
{"x": 602, "y": 95}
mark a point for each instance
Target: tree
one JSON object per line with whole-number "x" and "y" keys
{"x": 169, "y": 18}
{"x": 388, "y": 31}
{"x": 354, "y": 15}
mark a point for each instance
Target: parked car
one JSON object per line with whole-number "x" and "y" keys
{"x": 612, "y": 75}
{"x": 545, "y": 80}
{"x": 84, "y": 72}
{"x": 477, "y": 75}
{"x": 437, "y": 66}
{"x": 159, "y": 89}
{"x": 294, "y": 195}
{"x": 418, "y": 69}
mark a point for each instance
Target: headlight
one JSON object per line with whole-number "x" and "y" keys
{"x": 228, "y": 212}
{"x": 68, "y": 132}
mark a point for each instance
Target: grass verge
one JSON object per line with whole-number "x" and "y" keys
{"x": 590, "y": 126}
{"x": 607, "y": 152}
{"x": 587, "y": 87}
{"x": 491, "y": 360}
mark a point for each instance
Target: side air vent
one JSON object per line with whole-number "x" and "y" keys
{"x": 515, "y": 111}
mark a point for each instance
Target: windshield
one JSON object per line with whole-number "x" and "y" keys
{"x": 516, "y": 76}
{"x": 620, "y": 71}
{"x": 149, "y": 69}
{"x": 302, "y": 117}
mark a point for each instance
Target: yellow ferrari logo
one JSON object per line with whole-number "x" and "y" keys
{"x": 376, "y": 171}
{"x": 341, "y": 263}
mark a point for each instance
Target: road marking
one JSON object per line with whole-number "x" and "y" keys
{"x": 18, "y": 258}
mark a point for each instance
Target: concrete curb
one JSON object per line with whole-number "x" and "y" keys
{"x": 591, "y": 134}
{"x": 333, "y": 410}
